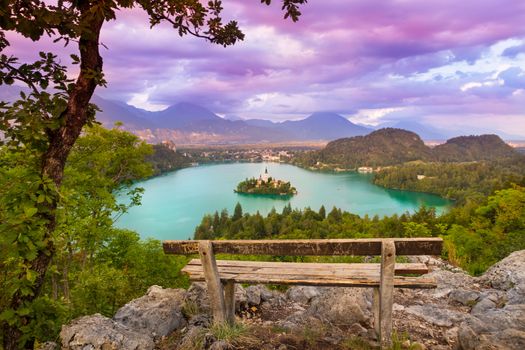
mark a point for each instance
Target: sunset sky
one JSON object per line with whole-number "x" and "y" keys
{"x": 443, "y": 62}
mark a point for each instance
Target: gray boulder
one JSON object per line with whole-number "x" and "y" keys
{"x": 258, "y": 294}
{"x": 158, "y": 313}
{"x": 497, "y": 328}
{"x": 465, "y": 297}
{"x": 508, "y": 275}
{"x": 97, "y": 332}
{"x": 342, "y": 306}
{"x": 453, "y": 280}
{"x": 436, "y": 315}
{"x": 198, "y": 295}
{"x": 483, "y": 306}
{"x": 253, "y": 295}
{"x": 302, "y": 294}
{"x": 241, "y": 296}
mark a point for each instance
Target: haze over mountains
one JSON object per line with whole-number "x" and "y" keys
{"x": 189, "y": 123}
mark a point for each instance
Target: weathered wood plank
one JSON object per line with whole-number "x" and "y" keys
{"x": 386, "y": 291}
{"x": 229, "y": 301}
{"x": 265, "y": 267}
{"x": 404, "y": 246}
{"x": 290, "y": 272}
{"x": 213, "y": 282}
{"x": 365, "y": 281}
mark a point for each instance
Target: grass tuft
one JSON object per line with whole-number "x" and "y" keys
{"x": 235, "y": 334}
{"x": 190, "y": 309}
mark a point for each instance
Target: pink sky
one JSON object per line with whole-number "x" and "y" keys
{"x": 445, "y": 62}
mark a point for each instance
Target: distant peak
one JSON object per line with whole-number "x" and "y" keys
{"x": 319, "y": 114}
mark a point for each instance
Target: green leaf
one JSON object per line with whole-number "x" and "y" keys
{"x": 9, "y": 316}
{"x": 30, "y": 211}
{"x": 23, "y": 311}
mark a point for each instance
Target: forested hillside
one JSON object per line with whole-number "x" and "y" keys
{"x": 473, "y": 148}
{"x": 458, "y": 181}
{"x": 164, "y": 159}
{"x": 383, "y": 147}
{"x": 389, "y": 146}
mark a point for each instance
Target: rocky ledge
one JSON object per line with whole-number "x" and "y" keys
{"x": 464, "y": 312}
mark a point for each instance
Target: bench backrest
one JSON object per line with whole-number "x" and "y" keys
{"x": 318, "y": 247}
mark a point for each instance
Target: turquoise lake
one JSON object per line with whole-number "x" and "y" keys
{"x": 174, "y": 204}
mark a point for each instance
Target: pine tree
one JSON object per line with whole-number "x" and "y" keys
{"x": 322, "y": 212}
{"x": 237, "y": 213}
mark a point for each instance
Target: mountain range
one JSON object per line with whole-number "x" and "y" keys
{"x": 189, "y": 123}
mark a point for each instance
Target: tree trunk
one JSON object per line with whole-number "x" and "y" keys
{"x": 61, "y": 141}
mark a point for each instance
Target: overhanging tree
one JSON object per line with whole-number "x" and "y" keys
{"x": 45, "y": 125}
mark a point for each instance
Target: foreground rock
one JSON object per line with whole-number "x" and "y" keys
{"x": 508, "y": 275}
{"x": 99, "y": 332}
{"x": 135, "y": 326}
{"x": 157, "y": 314}
{"x": 463, "y": 312}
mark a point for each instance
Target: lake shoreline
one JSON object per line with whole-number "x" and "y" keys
{"x": 175, "y": 202}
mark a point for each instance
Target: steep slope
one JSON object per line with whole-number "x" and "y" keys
{"x": 185, "y": 116}
{"x": 322, "y": 126}
{"x": 473, "y": 148}
{"x": 382, "y": 147}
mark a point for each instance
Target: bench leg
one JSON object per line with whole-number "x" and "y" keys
{"x": 376, "y": 309}
{"x": 213, "y": 282}
{"x": 386, "y": 292}
{"x": 229, "y": 301}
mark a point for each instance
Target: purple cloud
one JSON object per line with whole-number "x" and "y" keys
{"x": 441, "y": 58}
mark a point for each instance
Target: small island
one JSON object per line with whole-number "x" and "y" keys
{"x": 266, "y": 185}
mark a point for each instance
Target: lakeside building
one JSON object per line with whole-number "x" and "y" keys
{"x": 365, "y": 170}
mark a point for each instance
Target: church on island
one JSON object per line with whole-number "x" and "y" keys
{"x": 265, "y": 184}
{"x": 263, "y": 177}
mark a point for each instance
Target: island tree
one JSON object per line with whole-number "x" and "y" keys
{"x": 46, "y": 122}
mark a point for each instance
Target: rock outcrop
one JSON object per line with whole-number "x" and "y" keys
{"x": 135, "y": 326}
{"x": 99, "y": 332}
{"x": 158, "y": 313}
{"x": 463, "y": 312}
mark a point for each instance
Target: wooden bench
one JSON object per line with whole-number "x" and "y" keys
{"x": 221, "y": 275}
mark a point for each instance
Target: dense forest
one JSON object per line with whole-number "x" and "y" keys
{"x": 96, "y": 267}
{"x": 476, "y": 234}
{"x": 457, "y": 181}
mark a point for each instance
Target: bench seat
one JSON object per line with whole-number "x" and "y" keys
{"x": 315, "y": 274}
